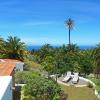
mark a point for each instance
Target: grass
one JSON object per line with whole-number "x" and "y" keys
{"x": 76, "y": 93}
{"x": 97, "y": 82}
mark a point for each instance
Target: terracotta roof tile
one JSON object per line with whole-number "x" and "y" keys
{"x": 7, "y": 66}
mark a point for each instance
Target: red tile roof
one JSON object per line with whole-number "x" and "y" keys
{"x": 7, "y": 66}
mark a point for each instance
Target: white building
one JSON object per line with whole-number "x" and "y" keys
{"x": 19, "y": 66}
{"x": 6, "y": 88}
{"x": 7, "y": 70}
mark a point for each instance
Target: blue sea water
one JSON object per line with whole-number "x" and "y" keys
{"x": 36, "y": 47}
{"x": 86, "y": 46}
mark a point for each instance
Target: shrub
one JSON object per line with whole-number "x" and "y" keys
{"x": 41, "y": 87}
{"x": 91, "y": 76}
{"x": 24, "y": 76}
{"x": 31, "y": 66}
{"x": 90, "y": 85}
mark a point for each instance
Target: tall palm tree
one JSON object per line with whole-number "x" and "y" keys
{"x": 14, "y": 47}
{"x": 69, "y": 23}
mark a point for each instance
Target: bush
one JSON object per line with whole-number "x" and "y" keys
{"x": 90, "y": 85}
{"x": 91, "y": 76}
{"x": 41, "y": 87}
{"x": 31, "y": 66}
{"x": 24, "y": 76}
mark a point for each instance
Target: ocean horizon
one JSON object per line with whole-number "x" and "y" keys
{"x": 36, "y": 47}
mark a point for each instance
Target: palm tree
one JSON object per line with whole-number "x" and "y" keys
{"x": 2, "y": 49}
{"x": 96, "y": 57}
{"x": 1, "y": 40}
{"x": 69, "y": 23}
{"x": 14, "y": 47}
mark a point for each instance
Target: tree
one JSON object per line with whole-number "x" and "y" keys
{"x": 48, "y": 64}
{"x": 96, "y": 57}
{"x": 60, "y": 57}
{"x": 69, "y": 23}
{"x": 86, "y": 61}
{"x": 73, "y": 57}
{"x": 14, "y": 47}
{"x": 2, "y": 45}
{"x": 42, "y": 89}
{"x": 45, "y": 50}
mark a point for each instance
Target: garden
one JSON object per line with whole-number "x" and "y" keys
{"x": 49, "y": 60}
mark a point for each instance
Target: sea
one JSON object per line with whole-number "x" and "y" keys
{"x": 36, "y": 47}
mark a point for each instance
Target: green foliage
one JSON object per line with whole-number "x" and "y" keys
{"x": 98, "y": 88}
{"x": 41, "y": 87}
{"x": 90, "y": 85}
{"x": 54, "y": 60}
{"x": 97, "y": 82}
{"x": 24, "y": 76}
{"x": 31, "y": 65}
{"x": 86, "y": 62}
{"x": 96, "y": 57}
{"x": 14, "y": 47}
{"x": 48, "y": 64}
{"x": 2, "y": 56}
{"x": 2, "y": 49}
{"x": 45, "y": 50}
{"x": 65, "y": 58}
{"x": 76, "y": 66}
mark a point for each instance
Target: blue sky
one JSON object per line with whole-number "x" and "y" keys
{"x": 38, "y": 22}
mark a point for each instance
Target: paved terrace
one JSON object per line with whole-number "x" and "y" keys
{"x": 80, "y": 82}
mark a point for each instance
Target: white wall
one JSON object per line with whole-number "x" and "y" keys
{"x": 19, "y": 66}
{"x": 5, "y": 88}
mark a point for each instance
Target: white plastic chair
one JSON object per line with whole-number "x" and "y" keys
{"x": 75, "y": 78}
{"x": 67, "y": 77}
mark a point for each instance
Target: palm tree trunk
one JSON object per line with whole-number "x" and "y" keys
{"x": 69, "y": 36}
{"x": 69, "y": 40}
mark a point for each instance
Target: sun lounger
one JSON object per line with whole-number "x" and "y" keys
{"x": 67, "y": 77}
{"x": 75, "y": 78}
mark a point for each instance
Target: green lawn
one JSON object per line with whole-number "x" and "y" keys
{"x": 97, "y": 82}
{"x": 76, "y": 93}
